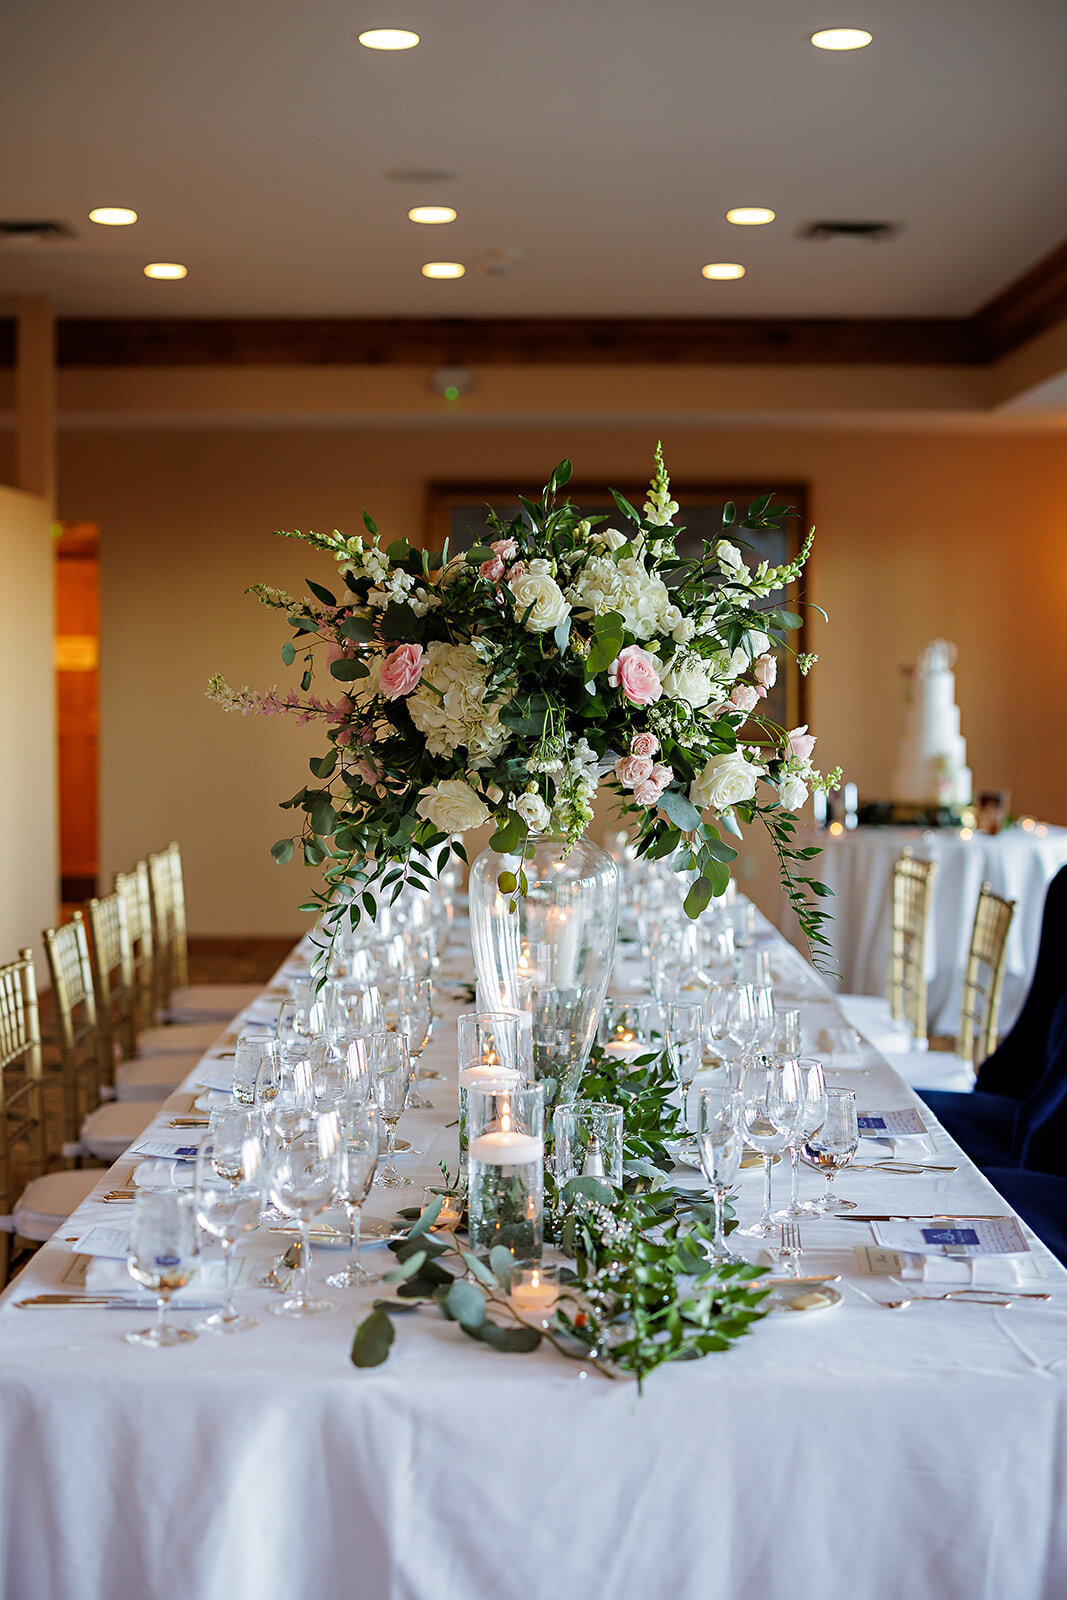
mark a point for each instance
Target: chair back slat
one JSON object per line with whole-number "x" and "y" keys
{"x": 67, "y": 950}
{"x": 179, "y": 928}
{"x": 113, "y": 978}
{"x": 983, "y": 980}
{"x": 913, "y": 888}
{"x": 22, "y": 1110}
{"x": 133, "y": 890}
{"x": 162, "y": 899}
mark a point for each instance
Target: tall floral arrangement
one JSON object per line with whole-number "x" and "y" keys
{"x": 509, "y": 683}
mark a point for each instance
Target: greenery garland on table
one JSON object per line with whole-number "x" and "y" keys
{"x": 642, "y": 1291}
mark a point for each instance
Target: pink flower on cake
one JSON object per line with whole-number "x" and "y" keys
{"x": 635, "y": 672}
{"x": 800, "y": 743}
{"x": 633, "y": 770}
{"x": 645, "y": 745}
{"x": 401, "y": 671}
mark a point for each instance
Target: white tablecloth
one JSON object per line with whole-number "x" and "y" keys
{"x": 858, "y": 866}
{"x": 850, "y": 1452}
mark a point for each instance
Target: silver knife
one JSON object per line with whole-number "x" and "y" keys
{"x": 923, "y": 1216}
{"x": 42, "y": 1302}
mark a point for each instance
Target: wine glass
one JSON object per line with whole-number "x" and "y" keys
{"x": 798, "y": 1103}
{"x": 743, "y": 1024}
{"x": 229, "y": 1197}
{"x": 304, "y": 1173}
{"x": 391, "y": 1067}
{"x": 414, "y": 1019}
{"x": 833, "y": 1146}
{"x": 683, "y": 1033}
{"x": 359, "y": 1157}
{"x": 162, "y": 1257}
{"x": 251, "y": 1050}
{"x": 760, "y": 1086}
{"x": 787, "y": 1031}
{"x": 230, "y": 1129}
{"x": 353, "y": 1004}
{"x": 719, "y": 1142}
{"x": 763, "y": 1000}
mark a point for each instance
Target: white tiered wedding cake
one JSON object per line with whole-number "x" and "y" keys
{"x": 933, "y": 768}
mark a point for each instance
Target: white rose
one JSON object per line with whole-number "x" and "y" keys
{"x": 543, "y": 598}
{"x": 452, "y": 806}
{"x": 533, "y": 811}
{"x": 793, "y": 792}
{"x": 757, "y": 642}
{"x": 725, "y": 781}
{"x": 611, "y": 538}
{"x": 689, "y": 682}
{"x": 725, "y": 667}
{"x": 541, "y": 566}
{"x": 731, "y": 561}
{"x": 684, "y": 631}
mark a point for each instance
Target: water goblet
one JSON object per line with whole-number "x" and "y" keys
{"x": 719, "y": 1143}
{"x": 162, "y": 1257}
{"x": 248, "y": 1058}
{"x": 304, "y": 1173}
{"x": 391, "y": 1066}
{"x": 229, "y": 1198}
{"x": 359, "y": 1158}
{"x": 798, "y": 1103}
{"x": 832, "y": 1147}
{"x": 414, "y": 1019}
{"x": 786, "y": 1031}
{"x": 230, "y": 1130}
{"x": 760, "y": 1086}
{"x": 743, "y": 1022}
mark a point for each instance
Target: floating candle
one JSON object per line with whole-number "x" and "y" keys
{"x": 506, "y": 1149}
{"x": 534, "y": 1289}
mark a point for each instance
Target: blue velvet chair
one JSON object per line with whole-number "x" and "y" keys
{"x": 1040, "y": 1198}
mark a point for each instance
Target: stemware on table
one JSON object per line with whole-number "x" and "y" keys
{"x": 415, "y": 1019}
{"x": 683, "y": 1033}
{"x": 762, "y": 1099}
{"x": 359, "y": 1159}
{"x": 719, "y": 1144}
{"x": 832, "y": 1147}
{"x": 162, "y": 1257}
{"x": 391, "y": 1071}
{"x": 798, "y": 1103}
{"x": 229, "y": 1187}
{"x": 305, "y": 1170}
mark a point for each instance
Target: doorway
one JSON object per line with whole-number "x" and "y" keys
{"x": 77, "y": 657}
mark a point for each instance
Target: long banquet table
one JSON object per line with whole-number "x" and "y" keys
{"x": 848, "y": 1452}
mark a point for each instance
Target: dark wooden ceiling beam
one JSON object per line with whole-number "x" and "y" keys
{"x": 1028, "y": 307}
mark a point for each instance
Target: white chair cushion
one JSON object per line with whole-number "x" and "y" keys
{"x": 152, "y": 1079}
{"x": 932, "y": 1069}
{"x": 108, "y": 1132}
{"x": 208, "y": 1002}
{"x": 46, "y": 1203}
{"x": 870, "y": 1015}
{"x": 178, "y": 1039}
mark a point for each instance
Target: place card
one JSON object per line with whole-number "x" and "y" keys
{"x": 960, "y": 1236}
{"x": 890, "y": 1124}
{"x": 101, "y": 1240}
{"x": 215, "y": 1073}
{"x": 166, "y": 1147}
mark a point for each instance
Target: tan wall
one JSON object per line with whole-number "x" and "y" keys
{"x": 28, "y": 844}
{"x": 920, "y": 534}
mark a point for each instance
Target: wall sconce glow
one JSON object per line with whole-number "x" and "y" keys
{"x": 723, "y": 270}
{"x": 388, "y": 39}
{"x": 841, "y": 39}
{"x": 431, "y": 214}
{"x": 443, "y": 269}
{"x": 112, "y": 216}
{"x": 165, "y": 269}
{"x": 750, "y": 216}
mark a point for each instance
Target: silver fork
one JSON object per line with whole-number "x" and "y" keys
{"x": 791, "y": 1247}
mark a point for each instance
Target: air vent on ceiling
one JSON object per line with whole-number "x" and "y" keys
{"x": 875, "y": 232}
{"x": 419, "y": 175}
{"x": 26, "y": 234}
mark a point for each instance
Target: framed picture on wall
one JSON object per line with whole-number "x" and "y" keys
{"x": 457, "y": 512}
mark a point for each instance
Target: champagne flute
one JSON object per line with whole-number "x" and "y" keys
{"x": 359, "y": 1158}
{"x": 229, "y": 1198}
{"x": 249, "y": 1055}
{"x": 833, "y": 1146}
{"x": 787, "y": 1031}
{"x": 743, "y": 1026}
{"x": 683, "y": 1032}
{"x": 719, "y": 1142}
{"x": 798, "y": 1103}
{"x": 414, "y": 1019}
{"x": 759, "y": 1087}
{"x": 304, "y": 1174}
{"x": 162, "y": 1257}
{"x": 392, "y": 1081}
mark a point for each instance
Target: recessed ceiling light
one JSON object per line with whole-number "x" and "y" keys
{"x": 841, "y": 39}
{"x": 750, "y": 216}
{"x": 443, "y": 269}
{"x": 113, "y": 216}
{"x": 431, "y": 214}
{"x": 723, "y": 269}
{"x": 165, "y": 269}
{"x": 388, "y": 39}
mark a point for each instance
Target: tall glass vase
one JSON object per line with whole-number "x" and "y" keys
{"x": 561, "y": 936}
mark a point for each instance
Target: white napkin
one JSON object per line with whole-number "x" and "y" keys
{"x": 994, "y": 1272}
{"x": 842, "y": 1045}
{"x": 112, "y": 1277}
{"x": 263, "y": 1013}
{"x": 153, "y": 1174}
{"x": 212, "y": 1098}
{"x": 215, "y": 1072}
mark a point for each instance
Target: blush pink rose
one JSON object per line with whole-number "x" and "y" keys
{"x": 662, "y": 775}
{"x": 505, "y": 548}
{"x": 645, "y": 745}
{"x": 635, "y": 672}
{"x": 493, "y": 570}
{"x": 519, "y": 570}
{"x": 743, "y": 698}
{"x": 401, "y": 671}
{"x": 633, "y": 770}
{"x": 765, "y": 672}
{"x": 336, "y": 651}
{"x": 801, "y": 743}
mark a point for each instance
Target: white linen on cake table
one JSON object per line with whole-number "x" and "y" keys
{"x": 852, "y": 1451}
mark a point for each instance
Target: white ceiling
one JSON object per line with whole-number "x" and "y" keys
{"x": 600, "y": 139}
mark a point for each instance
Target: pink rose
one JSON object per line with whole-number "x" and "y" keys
{"x": 635, "y": 672}
{"x": 493, "y": 570}
{"x": 519, "y": 570}
{"x": 505, "y": 548}
{"x": 336, "y": 650}
{"x": 743, "y": 698}
{"x": 633, "y": 770}
{"x": 661, "y": 775}
{"x": 765, "y": 672}
{"x": 645, "y": 745}
{"x": 800, "y": 743}
{"x": 401, "y": 671}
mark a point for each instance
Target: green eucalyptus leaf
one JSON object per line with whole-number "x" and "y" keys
{"x": 508, "y": 1341}
{"x": 428, "y": 1218}
{"x": 501, "y": 1262}
{"x": 466, "y": 1304}
{"x": 406, "y": 1269}
{"x": 288, "y": 653}
{"x": 372, "y": 1342}
{"x": 282, "y": 851}
{"x": 680, "y": 809}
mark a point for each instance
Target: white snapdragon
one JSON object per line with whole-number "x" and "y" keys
{"x": 731, "y": 561}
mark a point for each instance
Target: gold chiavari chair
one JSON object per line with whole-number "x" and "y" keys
{"x": 983, "y": 980}
{"x": 132, "y": 889}
{"x": 48, "y": 1197}
{"x": 897, "y": 1021}
{"x": 201, "y": 1003}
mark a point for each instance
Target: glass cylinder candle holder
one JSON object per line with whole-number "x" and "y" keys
{"x": 588, "y": 1141}
{"x": 505, "y": 1167}
{"x": 535, "y": 1290}
{"x": 495, "y": 1038}
{"x": 626, "y": 1029}
{"x": 481, "y": 1075}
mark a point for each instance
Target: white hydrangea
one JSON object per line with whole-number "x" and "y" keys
{"x": 623, "y": 586}
{"x": 448, "y": 705}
